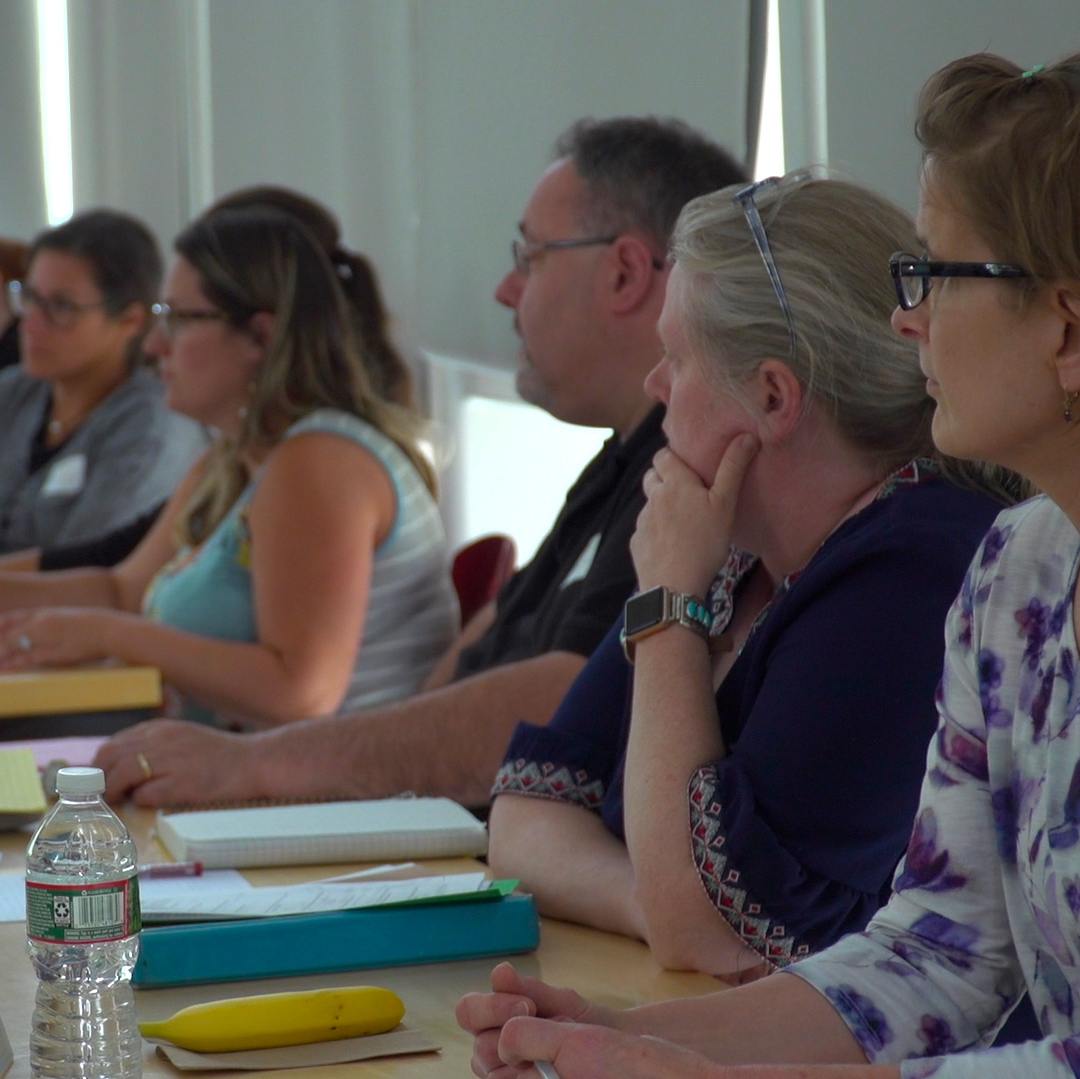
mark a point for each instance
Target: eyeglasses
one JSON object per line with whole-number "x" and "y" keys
{"x": 522, "y": 251}
{"x": 745, "y": 198}
{"x": 56, "y": 310}
{"x": 912, "y": 277}
{"x": 169, "y": 319}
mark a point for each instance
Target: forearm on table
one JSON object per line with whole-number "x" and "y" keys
{"x": 777, "y": 1020}
{"x": 565, "y": 855}
{"x": 90, "y": 587}
{"x": 673, "y": 731}
{"x": 448, "y": 742}
{"x": 244, "y": 679}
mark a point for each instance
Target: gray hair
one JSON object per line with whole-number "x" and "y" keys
{"x": 831, "y": 241}
{"x": 640, "y": 171}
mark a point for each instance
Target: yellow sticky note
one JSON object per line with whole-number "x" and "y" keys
{"x": 20, "y": 784}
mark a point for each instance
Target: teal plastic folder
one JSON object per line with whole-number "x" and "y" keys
{"x": 339, "y": 940}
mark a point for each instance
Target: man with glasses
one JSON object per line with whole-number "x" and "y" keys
{"x": 586, "y": 287}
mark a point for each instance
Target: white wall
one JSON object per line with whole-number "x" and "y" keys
{"x": 879, "y": 52}
{"x": 498, "y": 81}
{"x": 22, "y": 186}
{"x": 128, "y": 140}
{"x": 423, "y": 123}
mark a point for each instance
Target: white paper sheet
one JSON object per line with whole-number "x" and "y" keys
{"x": 399, "y": 868}
{"x": 305, "y": 898}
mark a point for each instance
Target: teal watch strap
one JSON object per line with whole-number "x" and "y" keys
{"x": 657, "y": 608}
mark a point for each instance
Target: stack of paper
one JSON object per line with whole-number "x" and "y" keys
{"x": 22, "y": 798}
{"x": 318, "y": 897}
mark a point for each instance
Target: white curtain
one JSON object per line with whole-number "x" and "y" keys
{"x": 423, "y": 123}
{"x": 22, "y": 177}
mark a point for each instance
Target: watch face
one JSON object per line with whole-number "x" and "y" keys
{"x": 644, "y": 611}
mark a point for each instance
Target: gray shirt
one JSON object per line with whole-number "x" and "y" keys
{"x": 128, "y": 455}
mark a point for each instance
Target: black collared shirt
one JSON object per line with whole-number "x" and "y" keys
{"x": 568, "y": 596}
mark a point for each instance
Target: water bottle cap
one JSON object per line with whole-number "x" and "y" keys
{"x": 80, "y": 781}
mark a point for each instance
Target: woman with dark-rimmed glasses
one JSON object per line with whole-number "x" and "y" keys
{"x": 86, "y": 441}
{"x": 987, "y": 901}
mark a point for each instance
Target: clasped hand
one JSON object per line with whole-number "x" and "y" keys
{"x": 684, "y": 530}
{"x": 524, "y": 1019}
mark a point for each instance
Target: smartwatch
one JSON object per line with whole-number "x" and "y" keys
{"x": 657, "y": 608}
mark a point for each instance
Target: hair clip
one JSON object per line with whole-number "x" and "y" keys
{"x": 1034, "y": 71}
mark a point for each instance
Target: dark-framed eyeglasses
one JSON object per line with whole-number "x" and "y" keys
{"x": 522, "y": 251}
{"x": 745, "y": 198}
{"x": 169, "y": 319}
{"x": 57, "y": 311}
{"x": 912, "y": 277}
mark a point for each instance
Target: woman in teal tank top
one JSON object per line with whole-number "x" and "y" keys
{"x": 312, "y": 511}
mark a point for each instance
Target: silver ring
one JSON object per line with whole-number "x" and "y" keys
{"x": 23, "y": 643}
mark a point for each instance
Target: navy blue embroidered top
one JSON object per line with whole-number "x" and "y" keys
{"x": 826, "y": 715}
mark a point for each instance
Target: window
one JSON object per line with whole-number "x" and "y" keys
{"x": 55, "y": 108}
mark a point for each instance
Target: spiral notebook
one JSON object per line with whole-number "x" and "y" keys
{"x": 389, "y": 828}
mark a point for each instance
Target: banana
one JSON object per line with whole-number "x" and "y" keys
{"x": 276, "y": 1019}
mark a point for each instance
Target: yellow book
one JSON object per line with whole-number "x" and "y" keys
{"x": 22, "y": 797}
{"x": 79, "y": 689}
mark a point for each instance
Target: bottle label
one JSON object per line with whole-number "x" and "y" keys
{"x": 82, "y": 913}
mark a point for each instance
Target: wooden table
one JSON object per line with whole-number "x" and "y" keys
{"x": 611, "y": 969}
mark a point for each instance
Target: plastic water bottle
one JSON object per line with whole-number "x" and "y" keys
{"x": 82, "y": 924}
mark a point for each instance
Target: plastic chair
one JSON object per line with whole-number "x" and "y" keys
{"x": 480, "y": 569}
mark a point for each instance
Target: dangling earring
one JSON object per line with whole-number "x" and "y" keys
{"x": 1070, "y": 400}
{"x": 244, "y": 409}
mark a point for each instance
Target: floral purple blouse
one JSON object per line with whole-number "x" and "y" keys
{"x": 987, "y": 900}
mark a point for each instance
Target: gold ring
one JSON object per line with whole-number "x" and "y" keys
{"x": 144, "y": 765}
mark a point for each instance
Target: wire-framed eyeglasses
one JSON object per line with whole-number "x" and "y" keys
{"x": 169, "y": 319}
{"x": 913, "y": 277}
{"x": 745, "y": 198}
{"x": 522, "y": 251}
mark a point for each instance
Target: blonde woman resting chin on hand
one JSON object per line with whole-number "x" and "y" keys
{"x": 312, "y": 515}
{"x": 986, "y": 903}
{"x": 739, "y": 797}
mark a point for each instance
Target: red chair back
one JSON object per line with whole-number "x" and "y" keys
{"x": 480, "y": 569}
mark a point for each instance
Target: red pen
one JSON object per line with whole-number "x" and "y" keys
{"x": 162, "y": 870}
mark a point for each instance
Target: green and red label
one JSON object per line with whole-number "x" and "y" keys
{"x": 82, "y": 913}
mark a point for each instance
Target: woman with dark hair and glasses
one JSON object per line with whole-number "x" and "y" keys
{"x": 740, "y": 796}
{"x": 987, "y": 901}
{"x": 301, "y": 565}
{"x": 86, "y": 441}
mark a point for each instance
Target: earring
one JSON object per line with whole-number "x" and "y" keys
{"x": 243, "y": 411}
{"x": 1070, "y": 400}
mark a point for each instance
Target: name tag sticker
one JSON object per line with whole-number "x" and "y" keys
{"x": 67, "y": 476}
{"x": 580, "y": 569}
